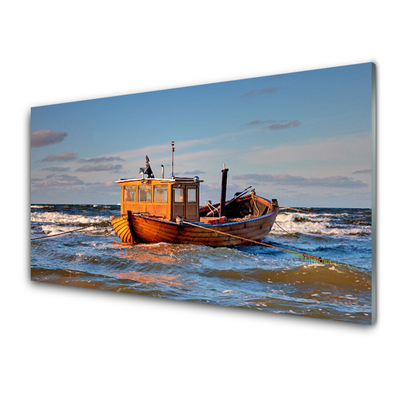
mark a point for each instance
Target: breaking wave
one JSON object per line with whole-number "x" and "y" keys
{"x": 353, "y": 223}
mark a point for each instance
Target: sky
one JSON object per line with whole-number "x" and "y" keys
{"x": 303, "y": 138}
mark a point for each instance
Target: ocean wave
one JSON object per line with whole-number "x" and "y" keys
{"x": 314, "y": 224}
{"x": 63, "y": 218}
{"x": 52, "y": 230}
{"x": 256, "y": 277}
{"x": 332, "y": 276}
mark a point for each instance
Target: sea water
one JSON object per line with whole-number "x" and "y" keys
{"x": 255, "y": 277}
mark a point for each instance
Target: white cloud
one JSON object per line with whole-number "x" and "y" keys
{"x": 45, "y": 137}
{"x": 100, "y": 167}
{"x": 286, "y": 179}
{"x": 61, "y": 157}
{"x": 355, "y": 147}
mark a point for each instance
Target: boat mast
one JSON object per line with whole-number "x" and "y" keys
{"x": 223, "y": 191}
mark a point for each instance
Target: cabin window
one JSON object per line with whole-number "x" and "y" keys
{"x": 130, "y": 193}
{"x": 160, "y": 194}
{"x": 192, "y": 195}
{"x": 178, "y": 195}
{"x": 145, "y": 193}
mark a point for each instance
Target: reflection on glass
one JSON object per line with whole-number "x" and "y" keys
{"x": 191, "y": 195}
{"x": 144, "y": 193}
{"x": 178, "y": 195}
{"x": 130, "y": 193}
{"x": 161, "y": 193}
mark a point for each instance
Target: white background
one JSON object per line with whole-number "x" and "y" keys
{"x": 61, "y": 342}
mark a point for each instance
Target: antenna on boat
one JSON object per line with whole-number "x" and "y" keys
{"x": 173, "y": 151}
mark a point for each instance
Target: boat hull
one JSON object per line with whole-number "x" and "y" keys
{"x": 145, "y": 229}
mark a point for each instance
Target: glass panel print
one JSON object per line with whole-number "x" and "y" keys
{"x": 291, "y": 157}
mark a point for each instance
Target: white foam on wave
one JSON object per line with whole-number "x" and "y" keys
{"x": 50, "y": 230}
{"x": 153, "y": 245}
{"x": 314, "y": 224}
{"x": 61, "y": 218}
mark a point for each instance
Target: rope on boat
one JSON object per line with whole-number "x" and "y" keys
{"x": 66, "y": 233}
{"x": 302, "y": 255}
{"x": 282, "y": 228}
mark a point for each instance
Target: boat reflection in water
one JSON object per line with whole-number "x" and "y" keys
{"x": 148, "y": 255}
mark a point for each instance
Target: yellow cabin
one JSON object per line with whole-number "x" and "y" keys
{"x": 161, "y": 198}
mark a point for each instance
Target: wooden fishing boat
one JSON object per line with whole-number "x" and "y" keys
{"x": 167, "y": 210}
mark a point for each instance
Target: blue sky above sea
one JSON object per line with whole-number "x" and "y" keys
{"x": 303, "y": 138}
